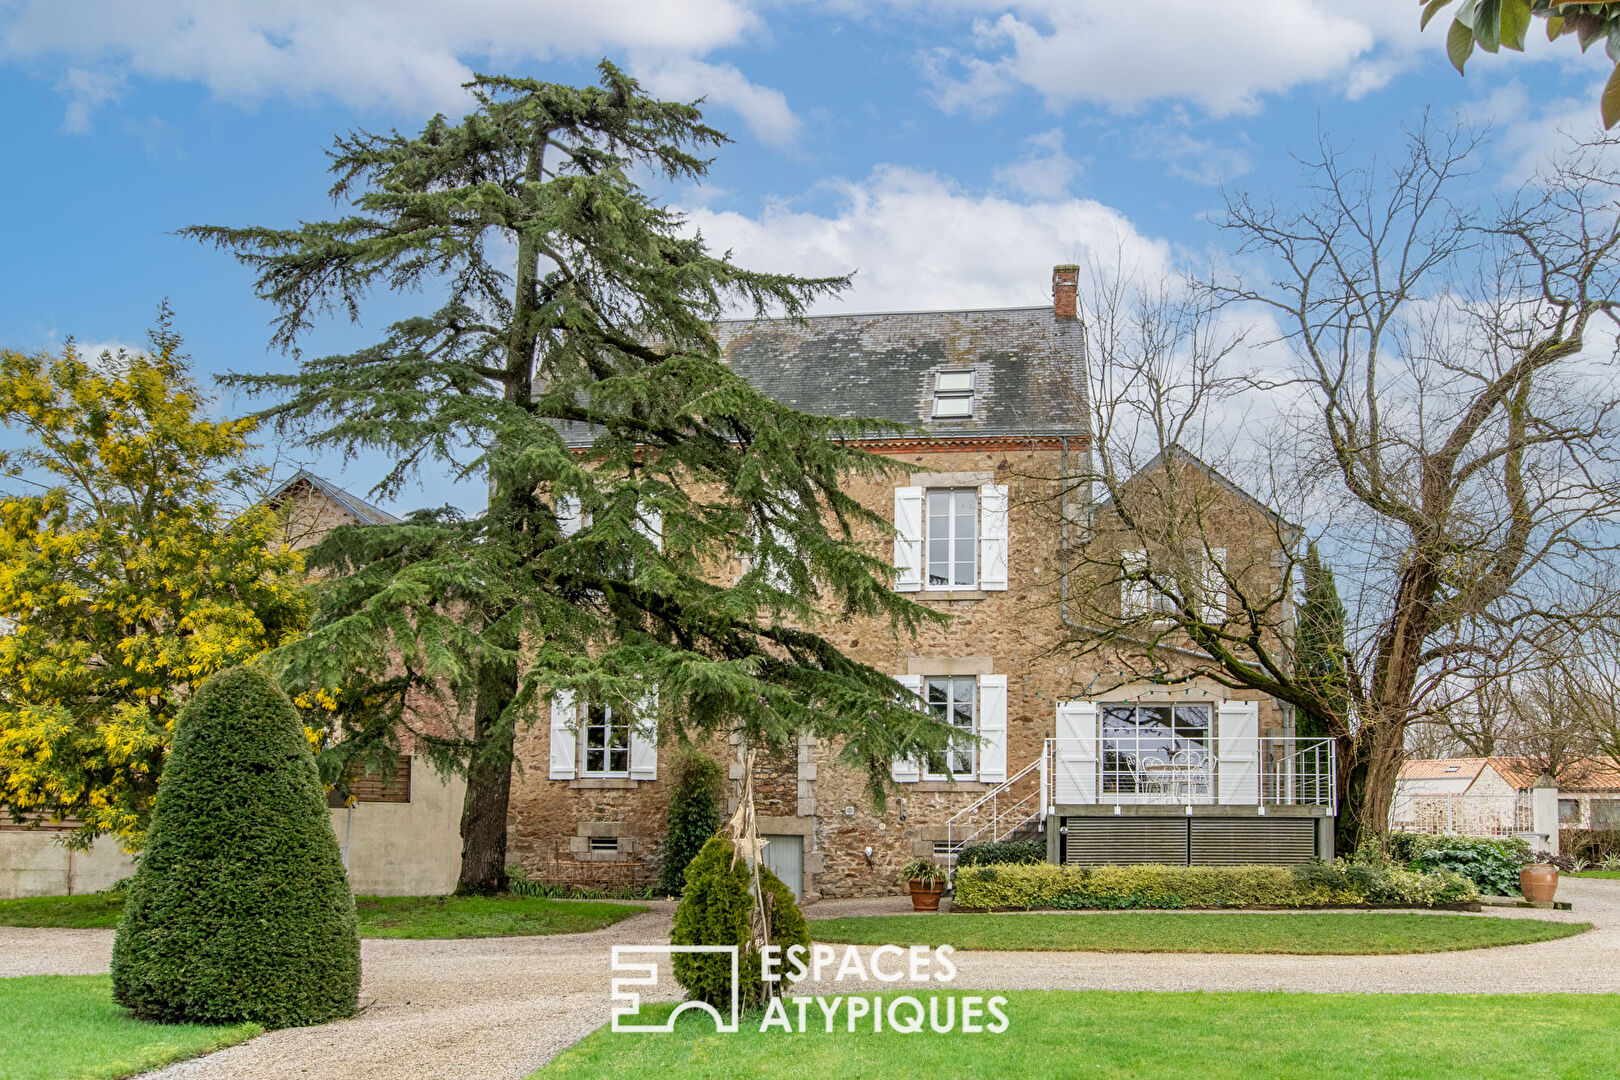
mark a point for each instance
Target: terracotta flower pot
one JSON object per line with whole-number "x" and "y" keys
{"x": 925, "y": 895}
{"x": 1539, "y": 882}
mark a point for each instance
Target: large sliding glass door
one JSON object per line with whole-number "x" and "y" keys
{"x": 1158, "y": 753}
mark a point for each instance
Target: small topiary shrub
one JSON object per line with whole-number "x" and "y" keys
{"x": 714, "y": 910}
{"x": 240, "y": 909}
{"x": 1003, "y": 853}
{"x": 694, "y": 816}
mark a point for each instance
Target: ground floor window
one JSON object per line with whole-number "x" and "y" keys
{"x": 1163, "y": 750}
{"x": 1606, "y": 813}
{"x": 1569, "y": 812}
{"x": 607, "y": 742}
{"x": 954, "y": 700}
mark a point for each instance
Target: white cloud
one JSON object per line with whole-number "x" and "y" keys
{"x": 1223, "y": 55}
{"x": 764, "y": 110}
{"x": 409, "y": 54}
{"x": 919, "y": 241}
{"x": 1044, "y": 171}
{"x": 1203, "y": 161}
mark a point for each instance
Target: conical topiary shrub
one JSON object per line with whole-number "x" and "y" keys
{"x": 240, "y": 909}
{"x": 715, "y": 909}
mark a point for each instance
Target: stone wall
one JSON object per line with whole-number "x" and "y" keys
{"x": 609, "y": 832}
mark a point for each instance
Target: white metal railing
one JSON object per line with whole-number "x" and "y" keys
{"x": 1001, "y": 811}
{"x": 1443, "y": 813}
{"x": 1267, "y": 771}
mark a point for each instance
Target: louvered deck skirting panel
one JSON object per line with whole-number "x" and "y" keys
{"x": 1245, "y": 841}
{"x": 1100, "y": 841}
{"x": 1180, "y": 841}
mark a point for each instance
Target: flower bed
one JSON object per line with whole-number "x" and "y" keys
{"x": 1118, "y": 887}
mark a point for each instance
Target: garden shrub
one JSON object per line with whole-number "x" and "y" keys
{"x": 240, "y": 908}
{"x": 1492, "y": 865}
{"x": 1003, "y": 853}
{"x": 694, "y": 816}
{"x": 1156, "y": 886}
{"x": 1593, "y": 845}
{"x": 714, "y": 910}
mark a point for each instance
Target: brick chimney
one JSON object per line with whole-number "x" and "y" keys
{"x": 1065, "y": 287}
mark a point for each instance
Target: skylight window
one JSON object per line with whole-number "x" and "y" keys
{"x": 953, "y": 394}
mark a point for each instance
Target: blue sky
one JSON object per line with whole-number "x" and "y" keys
{"x": 949, "y": 152}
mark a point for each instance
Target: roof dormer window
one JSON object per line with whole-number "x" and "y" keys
{"x": 953, "y": 394}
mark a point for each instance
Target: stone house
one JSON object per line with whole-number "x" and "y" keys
{"x": 991, "y": 425}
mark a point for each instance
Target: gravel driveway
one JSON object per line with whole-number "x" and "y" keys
{"x": 501, "y": 1007}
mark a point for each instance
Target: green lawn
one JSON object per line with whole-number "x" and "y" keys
{"x": 380, "y": 916}
{"x": 1122, "y": 1036}
{"x": 1324, "y": 933}
{"x": 483, "y": 916}
{"x": 1610, "y": 874}
{"x": 66, "y": 1027}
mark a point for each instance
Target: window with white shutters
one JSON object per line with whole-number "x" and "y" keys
{"x": 953, "y": 538}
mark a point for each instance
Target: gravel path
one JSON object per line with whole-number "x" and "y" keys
{"x": 499, "y": 1008}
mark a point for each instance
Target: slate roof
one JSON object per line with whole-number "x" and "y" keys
{"x": 1028, "y": 368}
{"x": 362, "y": 511}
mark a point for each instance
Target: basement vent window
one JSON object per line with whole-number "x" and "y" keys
{"x": 605, "y": 843}
{"x": 945, "y": 851}
{"x": 953, "y": 395}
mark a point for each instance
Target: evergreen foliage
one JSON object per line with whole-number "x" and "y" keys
{"x": 1319, "y": 650}
{"x": 694, "y": 816}
{"x": 240, "y": 908}
{"x": 572, "y": 308}
{"x": 129, "y": 573}
{"x": 1003, "y": 852}
{"x": 714, "y": 910}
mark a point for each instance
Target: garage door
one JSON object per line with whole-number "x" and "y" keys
{"x": 784, "y": 857}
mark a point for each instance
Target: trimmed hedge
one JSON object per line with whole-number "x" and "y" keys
{"x": 1003, "y": 853}
{"x": 714, "y": 910}
{"x": 694, "y": 816}
{"x": 240, "y": 908}
{"x": 1153, "y": 886}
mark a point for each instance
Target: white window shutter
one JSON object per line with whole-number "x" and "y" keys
{"x": 1237, "y": 752}
{"x": 570, "y": 517}
{"x": 564, "y": 735}
{"x": 993, "y": 728}
{"x": 644, "y": 739}
{"x": 908, "y": 539}
{"x": 906, "y": 770}
{"x": 1135, "y": 596}
{"x": 993, "y": 536}
{"x": 650, "y": 523}
{"x": 1212, "y": 599}
{"x": 1075, "y": 754}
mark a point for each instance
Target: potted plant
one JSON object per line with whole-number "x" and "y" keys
{"x": 1539, "y": 882}
{"x": 926, "y": 880}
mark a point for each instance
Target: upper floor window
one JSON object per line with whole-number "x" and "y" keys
{"x": 953, "y": 394}
{"x": 953, "y": 538}
{"x": 954, "y": 700}
{"x": 607, "y": 742}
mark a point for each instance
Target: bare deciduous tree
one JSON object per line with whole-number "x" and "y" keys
{"x": 1434, "y": 408}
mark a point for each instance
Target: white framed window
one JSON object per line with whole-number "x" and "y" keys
{"x": 954, "y": 700}
{"x": 953, "y": 395}
{"x": 1139, "y": 597}
{"x": 607, "y": 742}
{"x": 953, "y": 538}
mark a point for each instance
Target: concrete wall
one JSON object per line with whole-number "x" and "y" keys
{"x": 405, "y": 849}
{"x": 34, "y": 863}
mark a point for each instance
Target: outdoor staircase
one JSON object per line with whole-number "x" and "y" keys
{"x": 1013, "y": 810}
